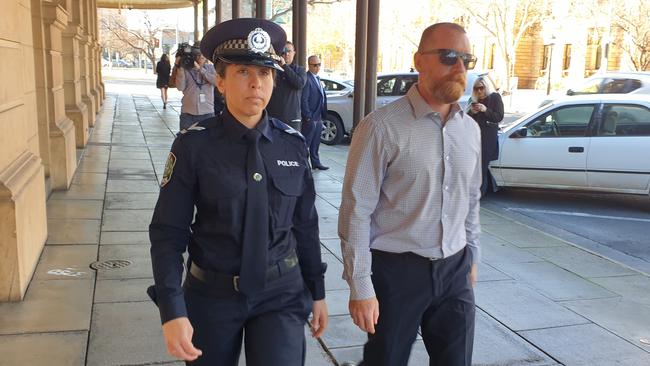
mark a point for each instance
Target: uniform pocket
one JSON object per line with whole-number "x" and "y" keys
{"x": 288, "y": 185}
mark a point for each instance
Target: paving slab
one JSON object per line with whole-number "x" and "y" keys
{"x": 131, "y": 171}
{"x": 69, "y": 300}
{"x": 513, "y": 303}
{"x": 139, "y": 154}
{"x": 131, "y": 201}
{"x": 333, "y": 198}
{"x": 332, "y": 246}
{"x": 328, "y": 185}
{"x": 495, "y": 250}
{"x": 333, "y": 275}
{"x": 126, "y": 220}
{"x": 122, "y": 290}
{"x": 72, "y": 231}
{"x": 341, "y": 332}
{"x": 523, "y": 236}
{"x": 89, "y": 178}
{"x": 581, "y": 262}
{"x": 624, "y": 317}
{"x": 124, "y": 237}
{"x": 419, "y": 355}
{"x": 337, "y": 302}
{"x": 51, "y": 349}
{"x": 587, "y": 345}
{"x": 489, "y": 273}
{"x": 66, "y": 262}
{"x": 494, "y": 344}
{"x": 554, "y": 282}
{"x": 139, "y": 256}
{"x": 126, "y": 334}
{"x": 636, "y": 287}
{"x": 81, "y": 192}
{"x": 75, "y": 209}
{"x": 328, "y": 227}
{"x": 129, "y": 163}
{"x": 132, "y": 186}
{"x": 93, "y": 166}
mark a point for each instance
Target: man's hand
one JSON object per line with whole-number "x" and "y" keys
{"x": 365, "y": 313}
{"x": 282, "y": 61}
{"x": 319, "y": 318}
{"x": 473, "y": 274}
{"x": 178, "y": 339}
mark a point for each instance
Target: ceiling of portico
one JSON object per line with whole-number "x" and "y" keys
{"x": 144, "y": 4}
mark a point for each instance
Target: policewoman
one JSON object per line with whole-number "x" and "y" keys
{"x": 254, "y": 271}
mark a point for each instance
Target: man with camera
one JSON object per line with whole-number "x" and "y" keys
{"x": 195, "y": 78}
{"x": 285, "y": 100}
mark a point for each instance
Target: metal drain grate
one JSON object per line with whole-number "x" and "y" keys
{"x": 110, "y": 264}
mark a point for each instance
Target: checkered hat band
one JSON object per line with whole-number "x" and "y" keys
{"x": 240, "y": 47}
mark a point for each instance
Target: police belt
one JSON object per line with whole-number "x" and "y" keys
{"x": 223, "y": 280}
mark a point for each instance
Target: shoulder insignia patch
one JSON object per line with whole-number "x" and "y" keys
{"x": 169, "y": 169}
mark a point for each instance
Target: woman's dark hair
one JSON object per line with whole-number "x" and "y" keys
{"x": 164, "y": 58}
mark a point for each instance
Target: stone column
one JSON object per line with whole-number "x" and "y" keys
{"x": 61, "y": 130}
{"x": 75, "y": 108}
{"x": 23, "y": 223}
{"x": 98, "y": 53}
{"x": 94, "y": 51}
{"x": 85, "y": 47}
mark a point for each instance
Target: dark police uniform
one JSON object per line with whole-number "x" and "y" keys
{"x": 207, "y": 171}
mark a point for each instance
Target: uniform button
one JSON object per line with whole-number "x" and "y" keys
{"x": 257, "y": 177}
{"x": 447, "y": 157}
{"x": 446, "y": 188}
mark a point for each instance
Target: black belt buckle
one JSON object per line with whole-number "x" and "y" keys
{"x": 235, "y": 283}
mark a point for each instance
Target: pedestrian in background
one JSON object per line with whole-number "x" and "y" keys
{"x": 196, "y": 80}
{"x": 313, "y": 107}
{"x": 237, "y": 193}
{"x": 285, "y": 100}
{"x": 487, "y": 110}
{"x": 163, "y": 67}
{"x": 409, "y": 217}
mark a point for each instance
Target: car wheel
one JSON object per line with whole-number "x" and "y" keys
{"x": 333, "y": 130}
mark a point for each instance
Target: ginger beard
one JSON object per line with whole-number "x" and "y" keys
{"x": 449, "y": 89}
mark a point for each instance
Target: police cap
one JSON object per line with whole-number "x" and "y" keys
{"x": 246, "y": 41}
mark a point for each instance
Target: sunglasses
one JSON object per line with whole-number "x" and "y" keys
{"x": 315, "y": 65}
{"x": 450, "y": 57}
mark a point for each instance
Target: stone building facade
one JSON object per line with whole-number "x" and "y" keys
{"x": 50, "y": 94}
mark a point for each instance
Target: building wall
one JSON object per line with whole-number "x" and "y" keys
{"x": 37, "y": 135}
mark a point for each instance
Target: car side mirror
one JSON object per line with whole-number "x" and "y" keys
{"x": 570, "y": 92}
{"x": 519, "y": 133}
{"x": 351, "y": 95}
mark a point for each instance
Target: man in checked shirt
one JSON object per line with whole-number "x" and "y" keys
{"x": 409, "y": 218}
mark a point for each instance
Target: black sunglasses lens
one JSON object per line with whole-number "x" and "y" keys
{"x": 448, "y": 57}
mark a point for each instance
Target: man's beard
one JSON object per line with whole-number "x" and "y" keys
{"x": 449, "y": 89}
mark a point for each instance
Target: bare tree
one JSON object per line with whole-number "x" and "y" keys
{"x": 283, "y": 7}
{"x": 508, "y": 21}
{"x": 631, "y": 17}
{"x": 142, "y": 40}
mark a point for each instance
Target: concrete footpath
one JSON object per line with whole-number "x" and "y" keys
{"x": 541, "y": 300}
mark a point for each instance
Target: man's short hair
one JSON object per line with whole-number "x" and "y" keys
{"x": 426, "y": 34}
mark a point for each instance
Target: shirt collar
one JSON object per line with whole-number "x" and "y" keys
{"x": 236, "y": 130}
{"x": 421, "y": 107}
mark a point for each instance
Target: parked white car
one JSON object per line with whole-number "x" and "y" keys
{"x": 389, "y": 87}
{"x": 611, "y": 83}
{"x": 597, "y": 142}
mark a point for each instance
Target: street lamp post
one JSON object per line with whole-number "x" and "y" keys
{"x": 550, "y": 64}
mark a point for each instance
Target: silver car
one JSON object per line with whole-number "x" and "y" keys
{"x": 611, "y": 83}
{"x": 389, "y": 87}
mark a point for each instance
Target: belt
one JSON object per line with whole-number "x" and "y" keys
{"x": 223, "y": 280}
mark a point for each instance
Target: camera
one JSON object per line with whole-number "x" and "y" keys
{"x": 188, "y": 55}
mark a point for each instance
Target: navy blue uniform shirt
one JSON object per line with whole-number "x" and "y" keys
{"x": 208, "y": 170}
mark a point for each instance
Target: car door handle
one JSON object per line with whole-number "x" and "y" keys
{"x": 576, "y": 149}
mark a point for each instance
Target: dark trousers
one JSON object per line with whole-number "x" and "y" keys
{"x": 312, "y": 131}
{"x": 272, "y": 324}
{"x": 413, "y": 292}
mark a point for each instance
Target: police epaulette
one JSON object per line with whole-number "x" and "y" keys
{"x": 285, "y": 128}
{"x": 193, "y": 127}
